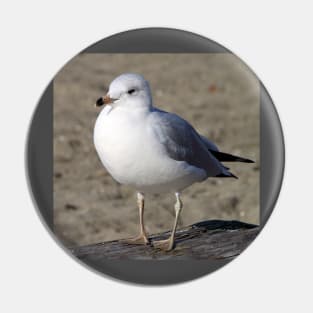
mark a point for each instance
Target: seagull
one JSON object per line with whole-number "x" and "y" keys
{"x": 151, "y": 150}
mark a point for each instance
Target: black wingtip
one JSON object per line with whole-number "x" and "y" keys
{"x": 247, "y": 160}
{"x": 229, "y": 174}
{"x": 226, "y": 157}
{"x": 234, "y": 176}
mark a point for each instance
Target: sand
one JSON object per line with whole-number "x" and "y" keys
{"x": 216, "y": 93}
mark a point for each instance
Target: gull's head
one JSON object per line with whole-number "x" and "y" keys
{"x": 128, "y": 90}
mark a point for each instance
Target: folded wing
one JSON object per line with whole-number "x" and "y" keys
{"x": 183, "y": 143}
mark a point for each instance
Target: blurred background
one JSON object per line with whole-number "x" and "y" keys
{"x": 216, "y": 93}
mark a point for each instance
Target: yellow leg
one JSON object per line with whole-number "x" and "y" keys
{"x": 142, "y": 238}
{"x": 168, "y": 244}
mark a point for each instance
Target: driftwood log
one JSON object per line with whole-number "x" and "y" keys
{"x": 207, "y": 240}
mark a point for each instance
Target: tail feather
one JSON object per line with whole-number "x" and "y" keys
{"x": 226, "y": 157}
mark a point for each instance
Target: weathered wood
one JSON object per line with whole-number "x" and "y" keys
{"x": 213, "y": 240}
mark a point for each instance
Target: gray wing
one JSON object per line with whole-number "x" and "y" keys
{"x": 183, "y": 143}
{"x": 209, "y": 144}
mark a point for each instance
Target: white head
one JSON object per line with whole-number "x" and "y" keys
{"x": 130, "y": 90}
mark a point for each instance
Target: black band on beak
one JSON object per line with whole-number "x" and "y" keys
{"x": 100, "y": 102}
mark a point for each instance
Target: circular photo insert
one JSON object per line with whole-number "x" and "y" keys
{"x": 155, "y": 156}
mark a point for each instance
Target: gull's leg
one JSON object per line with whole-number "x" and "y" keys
{"x": 168, "y": 244}
{"x": 141, "y": 239}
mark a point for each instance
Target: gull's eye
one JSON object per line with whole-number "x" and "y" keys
{"x": 131, "y": 91}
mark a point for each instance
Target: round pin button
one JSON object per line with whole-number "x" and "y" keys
{"x": 155, "y": 156}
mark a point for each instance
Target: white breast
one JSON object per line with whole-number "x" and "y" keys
{"x": 133, "y": 156}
